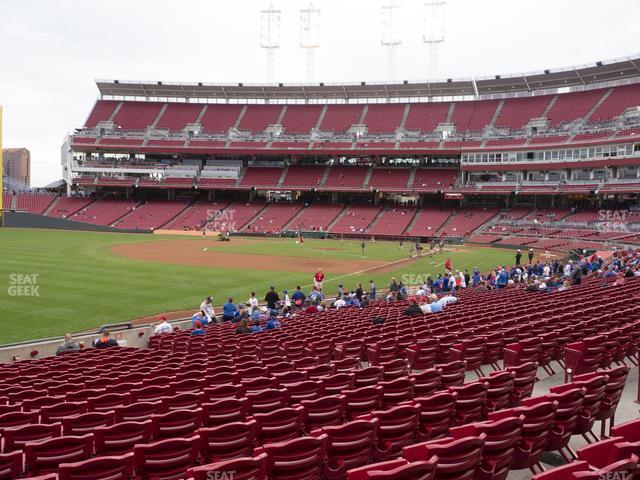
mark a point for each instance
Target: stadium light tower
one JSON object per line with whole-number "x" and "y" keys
{"x": 391, "y": 35}
{"x": 433, "y": 36}
{"x": 270, "y": 23}
{"x": 310, "y": 36}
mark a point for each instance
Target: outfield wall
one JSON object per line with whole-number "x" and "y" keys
{"x": 30, "y": 220}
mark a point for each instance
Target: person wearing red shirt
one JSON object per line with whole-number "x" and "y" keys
{"x": 448, "y": 265}
{"x": 318, "y": 278}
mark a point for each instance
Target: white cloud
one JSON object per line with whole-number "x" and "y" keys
{"x": 51, "y": 52}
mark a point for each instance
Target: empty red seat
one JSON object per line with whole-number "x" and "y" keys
{"x": 472, "y": 352}
{"x": 15, "y": 438}
{"x": 121, "y": 437}
{"x": 17, "y": 419}
{"x": 422, "y": 355}
{"x": 243, "y": 468}
{"x": 108, "y": 401}
{"x": 605, "y": 452}
{"x": 394, "y": 369}
{"x": 396, "y": 391}
{"x": 166, "y": 459}
{"x": 630, "y": 431}
{"x": 398, "y": 426}
{"x": 569, "y": 408}
{"x": 523, "y": 382}
{"x": 503, "y": 438}
{"x": 362, "y": 400}
{"x": 11, "y": 465}
{"x": 335, "y": 384}
{"x": 231, "y": 440}
{"x": 398, "y": 469}
{"x": 183, "y": 401}
{"x": 99, "y": 468}
{"x": 437, "y": 413}
{"x": 138, "y": 412}
{"x": 617, "y": 378}
{"x": 500, "y": 388}
{"x": 265, "y": 401}
{"x": 87, "y": 422}
{"x": 224, "y": 411}
{"x": 280, "y": 425}
{"x": 350, "y": 445}
{"x": 452, "y": 373}
{"x": 297, "y": 459}
{"x": 222, "y": 391}
{"x": 581, "y": 470}
{"x": 536, "y": 429}
{"x": 44, "y": 457}
{"x": 365, "y": 377}
{"x": 427, "y": 382}
{"x": 55, "y": 413}
{"x": 470, "y": 402}
{"x": 177, "y": 423}
{"x": 324, "y": 411}
{"x": 457, "y": 459}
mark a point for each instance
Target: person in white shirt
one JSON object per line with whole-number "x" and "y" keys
{"x": 422, "y": 291}
{"x": 568, "y": 268}
{"x": 448, "y": 299}
{"x": 253, "y": 301}
{"x": 452, "y": 282}
{"x": 463, "y": 282}
{"x": 340, "y": 303}
{"x": 286, "y": 300}
{"x": 207, "y": 307}
{"x": 546, "y": 271}
{"x": 163, "y": 327}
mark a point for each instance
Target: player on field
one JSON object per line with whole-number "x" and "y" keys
{"x": 318, "y": 279}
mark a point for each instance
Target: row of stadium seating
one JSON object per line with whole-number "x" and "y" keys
{"x": 512, "y": 113}
{"x": 353, "y": 220}
{"x": 301, "y": 404}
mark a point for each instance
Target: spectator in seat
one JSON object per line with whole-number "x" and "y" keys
{"x": 256, "y": 328}
{"x": 207, "y": 307}
{"x": 229, "y": 310}
{"x": 243, "y": 328}
{"x": 298, "y": 297}
{"x": 413, "y": 308}
{"x": 163, "y": 327}
{"x": 252, "y": 302}
{"x": 69, "y": 345}
{"x": 316, "y": 295}
{"x": 201, "y": 317}
{"x": 273, "y": 321}
{"x": 198, "y": 329}
{"x": 313, "y": 308}
{"x": 272, "y": 298}
{"x": 105, "y": 341}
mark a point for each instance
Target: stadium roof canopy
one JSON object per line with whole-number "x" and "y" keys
{"x": 578, "y": 76}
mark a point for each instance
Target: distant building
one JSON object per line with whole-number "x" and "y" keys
{"x": 16, "y": 166}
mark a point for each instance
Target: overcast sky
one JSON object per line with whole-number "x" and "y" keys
{"x": 51, "y": 52}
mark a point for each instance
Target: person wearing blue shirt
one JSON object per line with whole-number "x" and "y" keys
{"x": 198, "y": 329}
{"x": 199, "y": 317}
{"x": 372, "y": 290}
{"x": 503, "y": 278}
{"x": 436, "y": 307}
{"x": 298, "y": 297}
{"x": 476, "y": 278}
{"x": 255, "y": 315}
{"x": 229, "y": 310}
{"x": 256, "y": 328}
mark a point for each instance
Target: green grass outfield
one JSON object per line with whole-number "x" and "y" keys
{"x": 82, "y": 285}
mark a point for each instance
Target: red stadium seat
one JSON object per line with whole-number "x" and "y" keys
{"x": 437, "y": 414}
{"x": 224, "y": 411}
{"x": 362, "y": 400}
{"x": 280, "y": 425}
{"x": 243, "y": 468}
{"x": 324, "y": 411}
{"x": 99, "y": 468}
{"x": 121, "y": 437}
{"x": 16, "y": 438}
{"x": 44, "y": 457}
{"x": 11, "y": 465}
{"x": 398, "y": 426}
{"x": 398, "y": 469}
{"x": 166, "y": 459}
{"x": 87, "y": 422}
{"x": 427, "y": 382}
{"x": 176, "y": 423}
{"x": 457, "y": 459}
{"x": 298, "y": 459}
{"x": 231, "y": 440}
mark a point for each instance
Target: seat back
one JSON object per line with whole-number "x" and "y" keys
{"x": 350, "y": 444}
{"x": 87, "y": 422}
{"x": 166, "y": 459}
{"x": 324, "y": 411}
{"x": 44, "y": 457}
{"x": 224, "y": 411}
{"x": 16, "y": 438}
{"x": 243, "y": 468}
{"x": 177, "y": 423}
{"x": 437, "y": 414}
{"x": 99, "y": 468}
{"x": 298, "y": 459}
{"x": 280, "y": 425}
{"x": 398, "y": 469}
{"x": 121, "y": 437}
{"x": 427, "y": 382}
{"x": 231, "y": 440}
